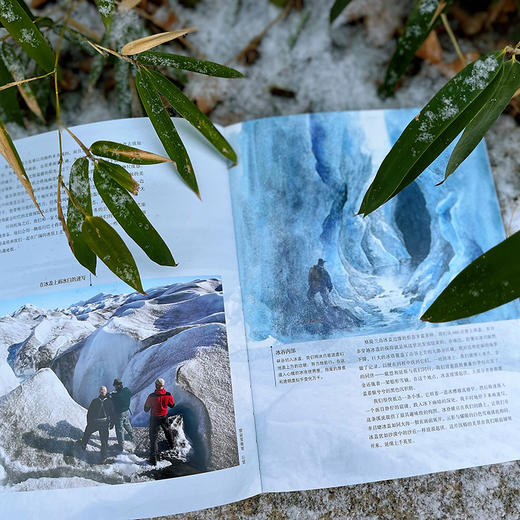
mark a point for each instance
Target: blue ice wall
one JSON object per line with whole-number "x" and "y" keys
{"x": 302, "y": 183}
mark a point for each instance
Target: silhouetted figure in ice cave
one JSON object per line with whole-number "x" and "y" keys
{"x": 319, "y": 282}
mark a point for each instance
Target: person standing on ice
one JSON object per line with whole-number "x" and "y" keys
{"x": 157, "y": 403}
{"x": 121, "y": 406}
{"x": 319, "y": 282}
{"x": 99, "y": 419}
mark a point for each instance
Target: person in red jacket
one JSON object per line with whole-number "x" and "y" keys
{"x": 157, "y": 403}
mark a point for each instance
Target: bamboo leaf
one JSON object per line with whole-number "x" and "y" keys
{"x": 98, "y": 62}
{"x": 431, "y": 131}
{"x": 106, "y": 10}
{"x": 9, "y": 107}
{"x": 19, "y": 25}
{"x": 127, "y": 154}
{"x": 72, "y": 35}
{"x": 120, "y": 175}
{"x": 25, "y": 7}
{"x": 96, "y": 69}
{"x": 164, "y": 59}
{"x": 79, "y": 188}
{"x": 130, "y": 217}
{"x": 487, "y": 115}
{"x": 123, "y": 93}
{"x": 17, "y": 70}
{"x": 148, "y": 42}
{"x": 105, "y": 242}
{"x": 187, "y": 109}
{"x": 423, "y": 19}
{"x": 489, "y": 281}
{"x": 337, "y": 9}
{"x": 165, "y": 129}
{"x": 8, "y": 150}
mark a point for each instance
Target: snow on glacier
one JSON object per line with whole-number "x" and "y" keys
{"x": 88, "y": 344}
{"x": 8, "y": 379}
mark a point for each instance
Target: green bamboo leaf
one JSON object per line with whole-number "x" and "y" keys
{"x": 163, "y": 59}
{"x": 104, "y": 241}
{"x": 487, "y": 115}
{"x": 123, "y": 92}
{"x": 189, "y": 111}
{"x": 132, "y": 219}
{"x": 127, "y": 154}
{"x": 165, "y": 129}
{"x": 79, "y": 188}
{"x": 120, "y": 175}
{"x": 96, "y": 69}
{"x": 25, "y": 7}
{"x": 18, "y": 69}
{"x": 447, "y": 136}
{"x": 106, "y": 10}
{"x": 423, "y": 19}
{"x": 337, "y": 9}
{"x": 9, "y": 107}
{"x": 18, "y": 24}
{"x": 70, "y": 34}
{"x": 431, "y": 131}
{"x": 489, "y": 281}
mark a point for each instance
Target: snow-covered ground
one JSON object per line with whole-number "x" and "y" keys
{"x": 54, "y": 360}
{"x": 330, "y": 69}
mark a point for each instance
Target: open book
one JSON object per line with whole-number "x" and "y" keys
{"x": 289, "y": 335}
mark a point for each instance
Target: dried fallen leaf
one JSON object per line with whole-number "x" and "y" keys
{"x": 431, "y": 49}
{"x": 126, "y": 5}
{"x": 454, "y": 67}
{"x": 149, "y": 42}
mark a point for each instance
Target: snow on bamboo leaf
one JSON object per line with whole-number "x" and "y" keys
{"x": 420, "y": 23}
{"x": 164, "y": 59}
{"x": 489, "y": 281}
{"x": 120, "y": 175}
{"x": 18, "y": 71}
{"x": 189, "y": 111}
{"x": 106, "y": 10}
{"x": 434, "y": 128}
{"x": 19, "y": 25}
{"x": 123, "y": 153}
{"x": 130, "y": 217}
{"x": 8, "y": 150}
{"x": 488, "y": 114}
{"x": 165, "y": 129}
{"x": 148, "y": 42}
{"x": 104, "y": 241}
{"x": 9, "y": 107}
{"x": 79, "y": 189}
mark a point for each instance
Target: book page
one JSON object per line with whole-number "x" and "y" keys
{"x": 349, "y": 385}
{"x": 65, "y": 334}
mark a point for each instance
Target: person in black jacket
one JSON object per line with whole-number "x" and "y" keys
{"x": 121, "y": 405}
{"x": 99, "y": 419}
{"x": 319, "y": 282}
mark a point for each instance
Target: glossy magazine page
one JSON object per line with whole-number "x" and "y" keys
{"x": 349, "y": 385}
{"x": 89, "y": 368}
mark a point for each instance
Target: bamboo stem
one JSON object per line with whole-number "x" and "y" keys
{"x": 453, "y": 39}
